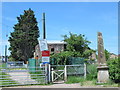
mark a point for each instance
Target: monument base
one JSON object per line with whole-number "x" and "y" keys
{"x": 103, "y": 74}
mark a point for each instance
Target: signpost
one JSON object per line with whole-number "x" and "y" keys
{"x": 44, "y": 50}
{"x": 43, "y": 45}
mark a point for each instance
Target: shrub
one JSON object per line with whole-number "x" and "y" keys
{"x": 114, "y": 69}
{"x": 92, "y": 71}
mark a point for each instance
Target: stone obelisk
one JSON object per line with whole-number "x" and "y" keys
{"x": 103, "y": 74}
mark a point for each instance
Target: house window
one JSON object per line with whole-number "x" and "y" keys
{"x": 52, "y": 49}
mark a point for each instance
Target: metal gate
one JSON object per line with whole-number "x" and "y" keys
{"x": 21, "y": 75}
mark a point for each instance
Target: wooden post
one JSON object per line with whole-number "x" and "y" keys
{"x": 85, "y": 70}
{"x": 65, "y": 73}
{"x": 52, "y": 75}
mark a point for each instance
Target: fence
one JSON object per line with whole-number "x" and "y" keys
{"x": 22, "y": 75}
{"x": 62, "y": 72}
{"x": 69, "y": 61}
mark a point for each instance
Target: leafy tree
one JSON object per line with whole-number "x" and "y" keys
{"x": 24, "y": 38}
{"x": 78, "y": 44}
{"x": 62, "y": 57}
{"x": 107, "y": 55}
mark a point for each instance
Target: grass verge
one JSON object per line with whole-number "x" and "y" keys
{"x": 85, "y": 82}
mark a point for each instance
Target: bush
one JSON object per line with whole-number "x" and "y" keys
{"x": 114, "y": 69}
{"x": 92, "y": 71}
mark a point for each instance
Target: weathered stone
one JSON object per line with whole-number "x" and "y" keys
{"x": 103, "y": 74}
{"x": 101, "y": 53}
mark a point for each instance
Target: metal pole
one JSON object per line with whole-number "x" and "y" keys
{"x": 49, "y": 73}
{"x": 44, "y": 33}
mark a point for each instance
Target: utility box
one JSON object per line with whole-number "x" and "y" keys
{"x": 32, "y": 65}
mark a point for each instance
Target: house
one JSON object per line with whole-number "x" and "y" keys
{"x": 54, "y": 46}
{"x": 113, "y": 56}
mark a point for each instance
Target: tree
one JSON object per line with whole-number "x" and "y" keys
{"x": 24, "y": 38}
{"x": 78, "y": 44}
{"x": 107, "y": 55}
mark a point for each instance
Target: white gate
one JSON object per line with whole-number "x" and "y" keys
{"x": 60, "y": 73}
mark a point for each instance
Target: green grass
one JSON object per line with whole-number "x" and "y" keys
{"x": 33, "y": 74}
{"x": 88, "y": 83}
{"x": 74, "y": 79}
{"x": 92, "y": 71}
{"x": 110, "y": 83}
{"x": 85, "y": 82}
{"x": 6, "y": 78}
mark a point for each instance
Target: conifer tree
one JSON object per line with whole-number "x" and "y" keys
{"x": 24, "y": 38}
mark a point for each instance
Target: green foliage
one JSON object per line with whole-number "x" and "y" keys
{"x": 78, "y": 44}
{"x": 75, "y": 79}
{"x": 107, "y": 55}
{"x": 24, "y": 38}
{"x": 11, "y": 59}
{"x": 92, "y": 71}
{"x": 114, "y": 69}
{"x": 62, "y": 57}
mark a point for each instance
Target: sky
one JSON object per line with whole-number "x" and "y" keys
{"x": 63, "y": 17}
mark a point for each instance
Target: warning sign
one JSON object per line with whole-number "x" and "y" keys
{"x": 45, "y": 53}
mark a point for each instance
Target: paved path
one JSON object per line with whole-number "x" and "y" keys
{"x": 22, "y": 77}
{"x": 76, "y": 85}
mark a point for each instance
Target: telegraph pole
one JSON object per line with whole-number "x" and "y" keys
{"x": 44, "y": 33}
{"x": 5, "y": 53}
{"x": 47, "y": 65}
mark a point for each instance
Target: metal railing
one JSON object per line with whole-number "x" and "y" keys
{"x": 22, "y": 76}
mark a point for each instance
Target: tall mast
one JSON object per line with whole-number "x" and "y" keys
{"x": 44, "y": 33}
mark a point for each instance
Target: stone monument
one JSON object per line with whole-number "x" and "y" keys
{"x": 103, "y": 74}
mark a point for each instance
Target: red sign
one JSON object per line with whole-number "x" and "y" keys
{"x": 45, "y": 53}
